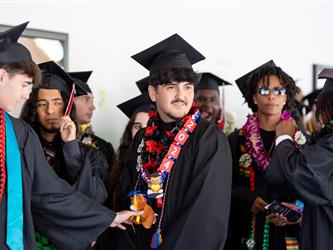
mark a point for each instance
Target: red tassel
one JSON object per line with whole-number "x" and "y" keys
{"x": 159, "y": 202}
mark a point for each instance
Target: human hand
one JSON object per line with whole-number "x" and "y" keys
{"x": 67, "y": 129}
{"x": 280, "y": 220}
{"x": 123, "y": 217}
{"x": 258, "y": 205}
{"x": 287, "y": 127}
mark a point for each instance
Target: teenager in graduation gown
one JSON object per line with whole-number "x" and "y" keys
{"x": 84, "y": 104}
{"x": 309, "y": 171}
{"x": 43, "y": 201}
{"x": 83, "y": 167}
{"x": 250, "y": 193}
{"x": 196, "y": 202}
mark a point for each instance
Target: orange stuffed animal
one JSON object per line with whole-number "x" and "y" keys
{"x": 139, "y": 203}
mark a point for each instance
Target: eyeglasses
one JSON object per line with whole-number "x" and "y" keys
{"x": 263, "y": 90}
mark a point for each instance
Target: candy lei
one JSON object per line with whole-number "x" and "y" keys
{"x": 2, "y": 153}
{"x": 254, "y": 150}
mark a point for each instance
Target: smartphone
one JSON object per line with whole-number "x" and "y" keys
{"x": 277, "y": 207}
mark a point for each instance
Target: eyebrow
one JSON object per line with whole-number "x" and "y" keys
{"x": 55, "y": 99}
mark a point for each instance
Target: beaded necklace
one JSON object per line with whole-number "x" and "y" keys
{"x": 253, "y": 149}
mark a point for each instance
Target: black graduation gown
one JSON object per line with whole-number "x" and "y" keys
{"x": 198, "y": 197}
{"x": 242, "y": 199}
{"x": 83, "y": 167}
{"x": 102, "y": 145}
{"x": 310, "y": 172}
{"x": 68, "y": 218}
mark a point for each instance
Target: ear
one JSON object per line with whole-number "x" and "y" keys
{"x": 152, "y": 93}
{"x": 254, "y": 98}
{"x": 2, "y": 74}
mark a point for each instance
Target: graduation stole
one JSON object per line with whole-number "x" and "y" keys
{"x": 11, "y": 154}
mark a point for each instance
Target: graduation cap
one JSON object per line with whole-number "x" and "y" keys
{"x": 311, "y": 98}
{"x": 54, "y": 77}
{"x": 327, "y": 74}
{"x": 143, "y": 84}
{"x": 81, "y": 78}
{"x": 243, "y": 81}
{"x": 10, "y": 50}
{"x": 140, "y": 103}
{"x": 210, "y": 81}
{"x": 172, "y": 53}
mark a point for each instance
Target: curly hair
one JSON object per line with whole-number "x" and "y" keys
{"x": 119, "y": 163}
{"x": 325, "y": 105}
{"x": 29, "y": 114}
{"x": 173, "y": 75}
{"x": 28, "y": 68}
{"x": 263, "y": 74}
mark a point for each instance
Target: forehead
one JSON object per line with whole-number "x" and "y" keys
{"x": 270, "y": 81}
{"x": 206, "y": 92}
{"x": 48, "y": 94}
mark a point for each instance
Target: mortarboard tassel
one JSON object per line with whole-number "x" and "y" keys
{"x": 156, "y": 240}
{"x": 71, "y": 100}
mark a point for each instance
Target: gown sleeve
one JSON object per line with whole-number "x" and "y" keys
{"x": 309, "y": 171}
{"x": 69, "y": 219}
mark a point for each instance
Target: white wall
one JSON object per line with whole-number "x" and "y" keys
{"x": 234, "y": 37}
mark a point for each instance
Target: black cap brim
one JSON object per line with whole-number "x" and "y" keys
{"x": 140, "y": 103}
{"x": 81, "y": 78}
{"x": 243, "y": 81}
{"x": 171, "y": 53}
{"x": 54, "y": 77}
{"x": 210, "y": 81}
{"x": 10, "y": 50}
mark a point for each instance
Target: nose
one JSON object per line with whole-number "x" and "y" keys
{"x": 26, "y": 93}
{"x": 92, "y": 106}
{"x": 50, "y": 108}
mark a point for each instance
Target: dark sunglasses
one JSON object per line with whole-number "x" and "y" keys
{"x": 264, "y": 90}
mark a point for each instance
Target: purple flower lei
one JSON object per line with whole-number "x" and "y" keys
{"x": 253, "y": 140}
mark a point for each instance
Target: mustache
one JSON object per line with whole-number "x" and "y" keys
{"x": 179, "y": 100}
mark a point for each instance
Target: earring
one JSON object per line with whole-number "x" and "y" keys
{"x": 255, "y": 102}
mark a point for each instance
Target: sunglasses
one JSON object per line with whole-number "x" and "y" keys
{"x": 263, "y": 90}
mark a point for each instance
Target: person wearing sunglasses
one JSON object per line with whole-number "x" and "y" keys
{"x": 269, "y": 93}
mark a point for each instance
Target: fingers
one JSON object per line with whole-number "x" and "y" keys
{"x": 121, "y": 226}
{"x": 66, "y": 122}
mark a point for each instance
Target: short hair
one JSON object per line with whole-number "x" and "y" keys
{"x": 28, "y": 68}
{"x": 263, "y": 74}
{"x": 173, "y": 75}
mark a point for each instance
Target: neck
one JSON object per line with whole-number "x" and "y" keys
{"x": 268, "y": 122}
{"x": 49, "y": 137}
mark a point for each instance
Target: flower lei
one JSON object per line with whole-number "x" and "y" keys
{"x": 154, "y": 151}
{"x": 254, "y": 150}
{"x": 154, "y": 145}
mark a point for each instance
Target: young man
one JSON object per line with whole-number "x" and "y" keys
{"x": 29, "y": 189}
{"x": 211, "y": 103}
{"x": 84, "y": 104}
{"x": 83, "y": 167}
{"x": 188, "y": 186}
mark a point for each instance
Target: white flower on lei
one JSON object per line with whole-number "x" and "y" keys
{"x": 245, "y": 160}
